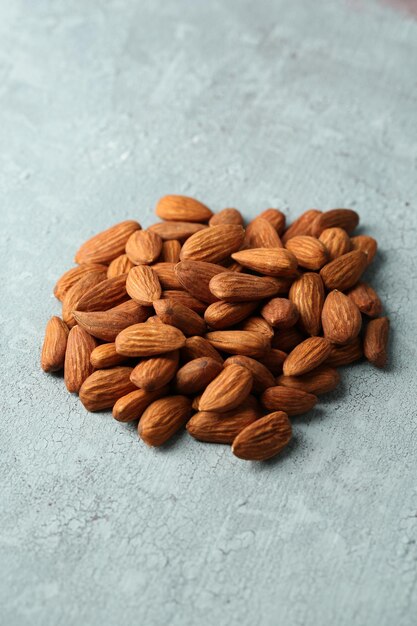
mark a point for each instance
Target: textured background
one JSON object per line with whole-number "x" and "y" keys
{"x": 105, "y": 106}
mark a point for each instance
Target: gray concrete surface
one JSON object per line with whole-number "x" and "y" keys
{"x": 105, "y": 106}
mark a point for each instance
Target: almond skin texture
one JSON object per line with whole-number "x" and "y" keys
{"x": 376, "y": 340}
{"x": 301, "y": 226}
{"x": 307, "y": 356}
{"x": 103, "y": 387}
{"x": 163, "y": 418}
{"x": 220, "y": 315}
{"x": 262, "y": 377}
{"x": 105, "y": 295}
{"x": 257, "y": 324}
{"x": 226, "y": 216}
{"x": 107, "y": 245}
{"x": 336, "y": 241}
{"x": 149, "y": 340}
{"x": 280, "y": 313}
{"x": 194, "y": 376}
{"x": 366, "y": 299}
{"x": 344, "y": 355}
{"x": 185, "y": 298}
{"x": 76, "y": 292}
{"x": 166, "y": 275}
{"x": 223, "y": 427}
{"x": 319, "y": 381}
{"x": 274, "y": 360}
{"x": 155, "y": 372}
{"x": 239, "y": 342}
{"x": 292, "y": 401}
{"x": 170, "y": 251}
{"x": 195, "y": 276}
{"x": 213, "y": 244}
{"x": 143, "y": 285}
{"x": 268, "y": 261}
{"x": 365, "y": 244}
{"x": 77, "y": 358}
{"x": 234, "y": 287}
{"x": 131, "y": 406}
{"x": 182, "y": 209}
{"x": 176, "y": 230}
{"x": 73, "y": 275}
{"x": 107, "y": 325}
{"x": 144, "y": 247}
{"x": 120, "y": 265}
{"x": 54, "y": 345}
{"x": 307, "y": 294}
{"x": 341, "y": 318}
{"x": 264, "y": 438}
{"x": 227, "y": 390}
{"x": 196, "y": 347}
{"x": 340, "y": 218}
{"x": 286, "y": 339}
{"x": 309, "y": 251}
{"x": 106, "y": 356}
{"x": 180, "y": 316}
{"x": 345, "y": 271}
{"x": 274, "y": 217}
{"x": 261, "y": 234}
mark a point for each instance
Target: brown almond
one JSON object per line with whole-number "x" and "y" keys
{"x": 77, "y": 358}
{"x": 321, "y": 380}
{"x": 234, "y": 287}
{"x": 163, "y": 418}
{"x": 257, "y": 324}
{"x": 341, "y": 318}
{"x": 180, "y": 316}
{"x": 143, "y": 285}
{"x": 182, "y": 209}
{"x": 148, "y": 340}
{"x": 262, "y": 377}
{"x": 196, "y": 347}
{"x": 376, "y": 340}
{"x": 108, "y": 244}
{"x": 287, "y": 338}
{"x": 185, "y": 298}
{"x": 307, "y": 294}
{"x": 301, "y": 226}
{"x": 103, "y": 387}
{"x": 274, "y": 360}
{"x": 194, "y": 376}
{"x": 176, "y": 230}
{"x": 120, "y": 265}
{"x": 274, "y": 217}
{"x": 366, "y": 299}
{"x": 345, "y": 271}
{"x": 226, "y": 216}
{"x": 268, "y": 261}
{"x": 144, "y": 247}
{"x": 107, "y": 325}
{"x": 239, "y": 342}
{"x": 105, "y": 355}
{"x": 260, "y": 233}
{"x": 365, "y": 244}
{"x": 75, "y": 274}
{"x": 220, "y": 315}
{"x": 307, "y": 356}
{"x": 213, "y": 244}
{"x": 345, "y": 355}
{"x": 104, "y": 295}
{"x": 336, "y": 241}
{"x": 292, "y": 401}
{"x": 227, "y": 390}
{"x": 264, "y": 438}
{"x": 156, "y": 371}
{"x": 195, "y": 276}
{"x": 170, "y": 251}
{"x": 76, "y": 292}
{"x": 223, "y": 427}
{"x": 309, "y": 251}
{"x": 54, "y": 345}
{"x": 166, "y": 275}
{"x": 131, "y": 406}
{"x": 280, "y": 313}
{"x": 340, "y": 218}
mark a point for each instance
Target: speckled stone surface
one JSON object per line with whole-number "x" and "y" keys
{"x": 105, "y": 106}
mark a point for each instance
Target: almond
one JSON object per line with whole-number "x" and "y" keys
{"x": 166, "y": 275}
{"x": 227, "y": 390}
{"x": 226, "y": 216}
{"x": 307, "y": 294}
{"x": 220, "y": 315}
{"x": 107, "y": 325}
{"x": 106, "y": 356}
{"x": 223, "y": 427}
{"x": 264, "y": 438}
{"x": 176, "y": 230}
{"x": 292, "y": 401}
{"x": 268, "y": 261}
{"x": 213, "y": 244}
{"x": 180, "y": 316}
{"x": 163, "y": 418}
{"x": 260, "y": 233}
{"x": 195, "y": 276}
{"x": 54, "y": 345}
{"x": 321, "y": 380}
{"x": 365, "y": 244}
{"x": 148, "y": 340}
{"x": 257, "y": 324}
{"x": 301, "y": 226}
{"x": 195, "y": 375}
{"x": 309, "y": 251}
{"x": 144, "y": 247}
{"x": 262, "y": 377}
{"x": 171, "y": 251}
{"x": 307, "y": 356}
{"x": 155, "y": 372}
{"x": 103, "y": 387}
{"x": 75, "y": 274}
{"x": 280, "y": 313}
{"x": 274, "y": 217}
{"x": 76, "y": 292}
{"x": 104, "y": 295}
{"x": 182, "y": 209}
{"x": 107, "y": 245}
{"x": 196, "y": 347}
{"x": 274, "y": 360}
{"x": 239, "y": 342}
{"x": 340, "y": 218}
{"x": 233, "y": 287}
{"x": 287, "y": 338}
{"x": 131, "y": 406}
{"x": 366, "y": 299}
{"x": 336, "y": 240}
{"x": 341, "y": 318}
{"x": 345, "y": 271}
{"x": 77, "y": 358}
{"x": 376, "y": 340}
{"x": 120, "y": 265}
{"x": 344, "y": 355}
{"x": 143, "y": 285}
{"x": 185, "y": 298}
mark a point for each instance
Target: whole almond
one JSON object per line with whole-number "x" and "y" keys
{"x": 274, "y": 217}
{"x": 131, "y": 406}
{"x": 220, "y": 315}
{"x": 103, "y": 387}
{"x": 292, "y": 401}
{"x": 76, "y": 292}
{"x": 376, "y": 340}
{"x": 156, "y": 371}
{"x": 226, "y": 216}
{"x": 310, "y": 252}
{"x": 341, "y": 318}
{"x": 287, "y": 338}
{"x": 213, "y": 244}
{"x": 105, "y": 355}
{"x": 143, "y": 285}
{"x": 340, "y": 218}
{"x": 54, "y": 345}
{"x": 345, "y": 271}
{"x": 301, "y": 226}
{"x": 75, "y": 274}
{"x": 148, "y": 340}
{"x": 307, "y": 294}
{"x": 239, "y": 342}
{"x": 144, "y": 247}
{"x": 321, "y": 380}
{"x": 280, "y": 313}
{"x": 166, "y": 275}
{"x": 260, "y": 233}
{"x": 227, "y": 390}
{"x": 264, "y": 438}
{"x": 366, "y": 299}
{"x": 182, "y": 209}
{"x": 268, "y": 261}
{"x": 274, "y": 360}
{"x": 171, "y": 251}
{"x": 196, "y": 347}
{"x": 108, "y": 244}
{"x": 223, "y": 427}
{"x": 194, "y": 376}
{"x": 307, "y": 356}
{"x": 163, "y": 418}
{"x": 185, "y": 298}
{"x": 120, "y": 265}
{"x": 104, "y": 295}
{"x": 257, "y": 324}
{"x": 344, "y": 355}
{"x": 195, "y": 277}
{"x": 262, "y": 377}
{"x": 176, "y": 230}
{"x": 336, "y": 241}
{"x": 234, "y": 287}
{"x": 107, "y": 325}
{"x": 365, "y": 244}
{"x": 77, "y": 358}
{"x": 180, "y": 316}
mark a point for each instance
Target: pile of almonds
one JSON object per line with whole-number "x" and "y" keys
{"x": 199, "y": 322}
